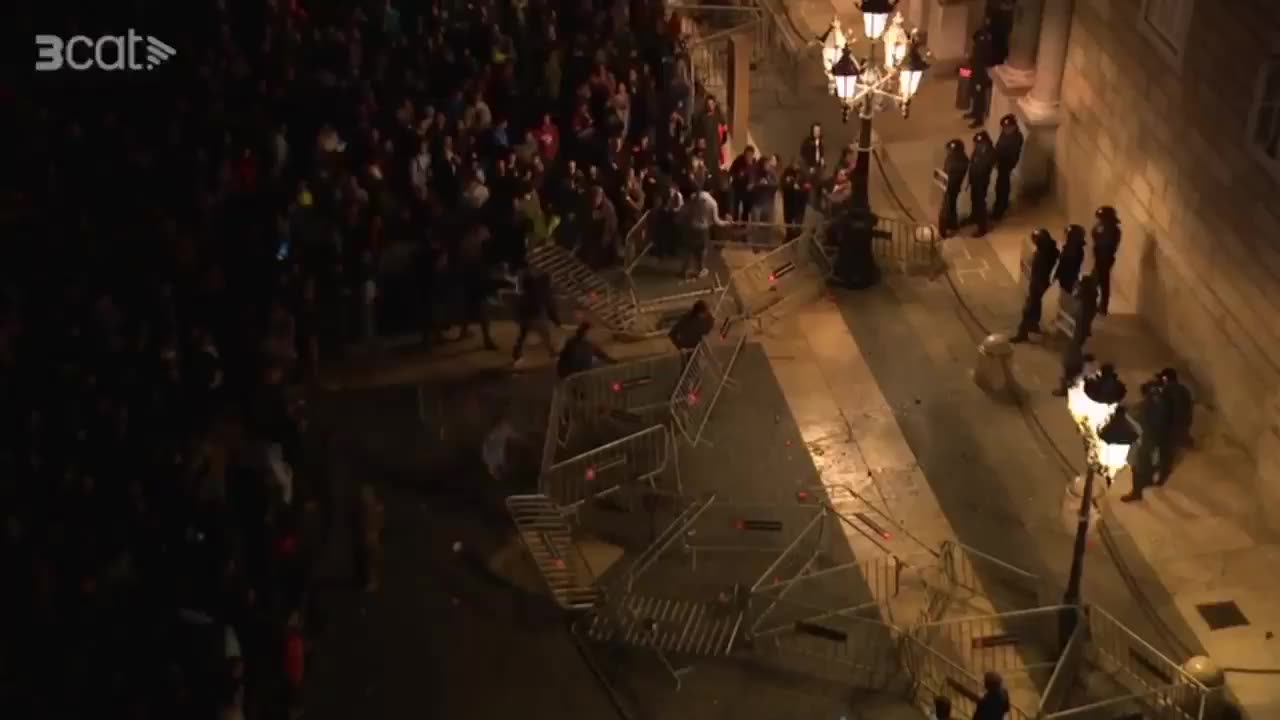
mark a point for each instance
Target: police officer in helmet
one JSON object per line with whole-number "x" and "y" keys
{"x": 1042, "y": 264}
{"x": 1106, "y": 244}
{"x": 1008, "y": 153}
{"x": 1071, "y": 260}
{"x": 956, "y": 168}
{"x": 981, "y": 165}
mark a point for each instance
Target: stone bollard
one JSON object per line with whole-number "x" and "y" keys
{"x": 1207, "y": 673}
{"x": 992, "y": 372}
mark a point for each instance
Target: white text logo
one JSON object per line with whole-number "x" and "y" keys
{"x": 108, "y": 52}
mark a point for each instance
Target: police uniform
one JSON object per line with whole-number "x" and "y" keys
{"x": 1106, "y": 244}
{"x": 1071, "y": 260}
{"x": 981, "y": 165}
{"x": 1042, "y": 264}
{"x": 1008, "y": 153}
{"x": 956, "y": 167}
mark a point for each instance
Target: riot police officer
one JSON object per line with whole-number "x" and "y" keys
{"x": 1153, "y": 416}
{"x": 981, "y": 166}
{"x": 956, "y": 168}
{"x": 1071, "y": 260}
{"x": 1106, "y": 243}
{"x": 981, "y": 60}
{"x": 1042, "y": 263}
{"x": 1180, "y": 407}
{"x": 1008, "y": 153}
{"x": 1086, "y": 309}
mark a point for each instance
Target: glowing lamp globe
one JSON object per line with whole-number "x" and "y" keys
{"x": 845, "y": 74}
{"x": 875, "y": 16}
{"x": 896, "y": 43}
{"x": 1115, "y": 439}
{"x": 1087, "y": 412}
{"x": 911, "y": 72}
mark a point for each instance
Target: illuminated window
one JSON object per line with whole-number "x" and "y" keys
{"x": 1264, "y": 128}
{"x": 1167, "y": 23}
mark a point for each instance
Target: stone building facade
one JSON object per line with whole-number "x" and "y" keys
{"x": 1160, "y": 119}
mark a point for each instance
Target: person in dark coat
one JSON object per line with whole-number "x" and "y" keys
{"x": 795, "y": 196}
{"x": 741, "y": 178}
{"x": 981, "y": 60}
{"x": 981, "y": 165}
{"x": 994, "y": 703}
{"x": 1086, "y": 308}
{"x": 535, "y": 311}
{"x": 1008, "y": 154}
{"x": 1180, "y": 408}
{"x": 1153, "y": 416}
{"x": 1042, "y": 263}
{"x": 956, "y": 168}
{"x": 1071, "y": 260}
{"x": 813, "y": 151}
{"x": 1074, "y": 363}
{"x": 580, "y": 354}
{"x": 691, "y": 328}
{"x": 1106, "y": 244}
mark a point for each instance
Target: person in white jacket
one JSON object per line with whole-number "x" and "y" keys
{"x": 701, "y": 213}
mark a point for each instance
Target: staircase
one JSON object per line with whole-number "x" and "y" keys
{"x": 546, "y": 534}
{"x": 684, "y": 627}
{"x": 572, "y": 277}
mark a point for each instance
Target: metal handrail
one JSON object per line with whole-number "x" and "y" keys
{"x": 630, "y": 256}
{"x": 1175, "y": 667}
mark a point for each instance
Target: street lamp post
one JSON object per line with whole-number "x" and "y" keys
{"x": 1108, "y": 434}
{"x": 866, "y": 86}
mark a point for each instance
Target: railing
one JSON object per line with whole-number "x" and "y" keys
{"x": 557, "y": 428}
{"x": 972, "y": 573}
{"x": 750, "y": 528}
{"x": 707, "y": 370}
{"x": 638, "y": 241}
{"x": 1157, "y": 683}
{"x": 778, "y": 277}
{"x": 622, "y": 392}
{"x": 906, "y": 246}
{"x": 1025, "y": 647}
{"x": 605, "y": 470}
{"x": 753, "y": 235}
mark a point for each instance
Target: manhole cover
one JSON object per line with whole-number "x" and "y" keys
{"x": 1222, "y": 615}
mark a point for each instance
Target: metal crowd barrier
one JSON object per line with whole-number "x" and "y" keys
{"x": 707, "y": 369}
{"x": 950, "y": 657}
{"x": 852, "y": 589}
{"x": 906, "y": 246}
{"x": 750, "y": 528}
{"x": 605, "y": 470}
{"x": 972, "y": 574}
{"x": 638, "y": 241}
{"x": 783, "y": 277}
{"x": 548, "y": 538}
{"x": 753, "y": 235}
{"x": 1157, "y": 686}
{"x": 622, "y": 392}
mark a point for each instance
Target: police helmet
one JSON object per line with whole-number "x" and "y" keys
{"x": 956, "y": 144}
{"x": 1107, "y": 213}
{"x": 1008, "y": 121}
{"x": 1075, "y": 232}
{"x": 981, "y": 137}
{"x": 1041, "y": 235}
{"x": 1168, "y": 375}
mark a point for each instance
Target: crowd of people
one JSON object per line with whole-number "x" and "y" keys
{"x": 192, "y": 259}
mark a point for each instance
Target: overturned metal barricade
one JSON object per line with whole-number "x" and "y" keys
{"x": 624, "y": 396}
{"x": 548, "y": 538}
{"x": 707, "y": 370}
{"x": 779, "y": 280}
{"x": 637, "y": 458}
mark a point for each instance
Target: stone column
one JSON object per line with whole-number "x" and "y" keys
{"x": 915, "y": 11}
{"x": 1011, "y": 81}
{"x": 1038, "y": 110}
{"x": 740, "y": 103}
{"x": 950, "y": 23}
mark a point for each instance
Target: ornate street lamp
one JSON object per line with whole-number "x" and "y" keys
{"x": 896, "y": 43}
{"x": 834, "y": 43}
{"x": 875, "y": 15}
{"x": 845, "y": 78}
{"x": 1108, "y": 436}
{"x": 911, "y": 72}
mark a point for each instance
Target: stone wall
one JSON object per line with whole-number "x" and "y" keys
{"x": 1165, "y": 142}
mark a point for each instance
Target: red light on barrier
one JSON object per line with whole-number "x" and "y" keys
{"x": 740, "y": 524}
{"x": 591, "y": 474}
{"x": 802, "y": 495}
{"x": 693, "y": 398}
{"x": 617, "y": 387}
{"x": 773, "y": 278}
{"x": 966, "y": 72}
{"x": 558, "y": 563}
